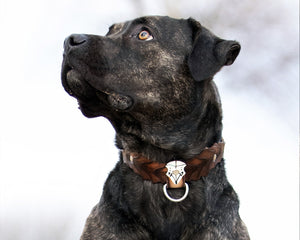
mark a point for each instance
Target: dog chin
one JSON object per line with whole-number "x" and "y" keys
{"x": 76, "y": 85}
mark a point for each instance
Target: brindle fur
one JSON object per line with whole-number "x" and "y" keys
{"x": 160, "y": 98}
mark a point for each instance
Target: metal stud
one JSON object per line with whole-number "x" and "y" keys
{"x": 215, "y": 157}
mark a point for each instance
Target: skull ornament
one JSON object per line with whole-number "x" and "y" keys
{"x": 175, "y": 171}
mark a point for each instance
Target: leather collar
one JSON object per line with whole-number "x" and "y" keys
{"x": 195, "y": 168}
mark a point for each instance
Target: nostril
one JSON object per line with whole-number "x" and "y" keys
{"x": 77, "y": 39}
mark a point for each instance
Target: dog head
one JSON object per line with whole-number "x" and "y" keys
{"x": 151, "y": 70}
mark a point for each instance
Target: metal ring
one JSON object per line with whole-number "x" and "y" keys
{"x": 179, "y": 199}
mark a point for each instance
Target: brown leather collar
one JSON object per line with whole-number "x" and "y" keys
{"x": 197, "y": 167}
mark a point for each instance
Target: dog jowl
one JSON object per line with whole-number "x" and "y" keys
{"x": 152, "y": 78}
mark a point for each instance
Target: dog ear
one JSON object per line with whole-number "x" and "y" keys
{"x": 209, "y": 53}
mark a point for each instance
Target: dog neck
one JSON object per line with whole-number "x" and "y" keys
{"x": 175, "y": 177}
{"x": 179, "y": 137}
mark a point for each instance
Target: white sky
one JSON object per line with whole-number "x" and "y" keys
{"x": 53, "y": 161}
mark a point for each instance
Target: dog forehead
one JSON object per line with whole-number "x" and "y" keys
{"x": 162, "y": 24}
{"x": 150, "y": 20}
{"x": 116, "y": 27}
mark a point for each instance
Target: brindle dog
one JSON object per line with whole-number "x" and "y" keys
{"x": 152, "y": 79}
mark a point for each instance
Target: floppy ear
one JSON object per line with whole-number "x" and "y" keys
{"x": 209, "y": 53}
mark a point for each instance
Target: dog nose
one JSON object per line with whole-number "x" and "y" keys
{"x": 75, "y": 40}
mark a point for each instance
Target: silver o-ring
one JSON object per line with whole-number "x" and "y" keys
{"x": 179, "y": 199}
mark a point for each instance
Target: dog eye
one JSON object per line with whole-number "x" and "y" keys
{"x": 145, "y": 36}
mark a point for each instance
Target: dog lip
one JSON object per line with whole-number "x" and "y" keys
{"x": 77, "y": 86}
{"x": 72, "y": 81}
{"x": 72, "y": 76}
{"x": 65, "y": 70}
{"x": 120, "y": 101}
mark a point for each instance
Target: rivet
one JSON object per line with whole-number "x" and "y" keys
{"x": 215, "y": 157}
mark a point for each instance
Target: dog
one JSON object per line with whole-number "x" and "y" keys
{"x": 152, "y": 78}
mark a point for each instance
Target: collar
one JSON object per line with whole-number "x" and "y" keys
{"x": 175, "y": 173}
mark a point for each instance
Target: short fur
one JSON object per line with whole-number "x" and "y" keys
{"x": 160, "y": 98}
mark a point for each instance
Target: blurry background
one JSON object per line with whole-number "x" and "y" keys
{"x": 54, "y": 161}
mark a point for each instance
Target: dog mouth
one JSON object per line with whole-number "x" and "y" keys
{"x": 73, "y": 82}
{"x": 77, "y": 86}
{"x": 92, "y": 102}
